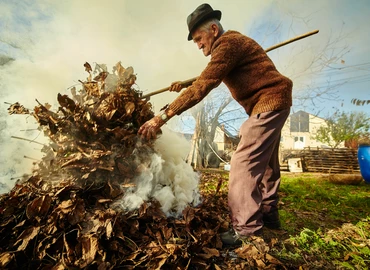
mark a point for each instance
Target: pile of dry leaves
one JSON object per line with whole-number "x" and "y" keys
{"x": 62, "y": 216}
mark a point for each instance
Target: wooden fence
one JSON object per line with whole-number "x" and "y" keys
{"x": 342, "y": 160}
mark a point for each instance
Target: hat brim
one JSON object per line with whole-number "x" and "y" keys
{"x": 216, "y": 14}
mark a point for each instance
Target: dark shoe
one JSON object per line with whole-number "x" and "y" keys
{"x": 232, "y": 238}
{"x": 274, "y": 225}
{"x": 271, "y": 220}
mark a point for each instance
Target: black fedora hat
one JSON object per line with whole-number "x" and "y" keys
{"x": 200, "y": 15}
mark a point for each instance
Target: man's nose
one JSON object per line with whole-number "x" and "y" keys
{"x": 200, "y": 45}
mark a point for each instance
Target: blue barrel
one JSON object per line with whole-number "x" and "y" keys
{"x": 363, "y": 155}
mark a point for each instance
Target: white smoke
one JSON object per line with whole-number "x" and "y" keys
{"x": 167, "y": 178}
{"x": 50, "y": 40}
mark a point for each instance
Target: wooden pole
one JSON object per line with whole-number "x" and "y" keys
{"x": 190, "y": 81}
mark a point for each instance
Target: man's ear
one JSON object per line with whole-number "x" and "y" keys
{"x": 214, "y": 29}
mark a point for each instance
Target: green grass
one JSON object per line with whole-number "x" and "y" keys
{"x": 327, "y": 225}
{"x": 316, "y": 202}
{"x": 346, "y": 247}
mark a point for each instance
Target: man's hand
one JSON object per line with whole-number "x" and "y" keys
{"x": 176, "y": 87}
{"x": 150, "y": 128}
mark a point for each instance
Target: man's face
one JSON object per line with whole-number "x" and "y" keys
{"x": 204, "y": 39}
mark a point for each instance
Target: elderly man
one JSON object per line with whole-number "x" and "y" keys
{"x": 266, "y": 96}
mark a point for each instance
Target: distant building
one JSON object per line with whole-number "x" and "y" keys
{"x": 299, "y": 131}
{"x": 225, "y": 140}
{"x": 220, "y": 150}
{"x": 297, "y": 134}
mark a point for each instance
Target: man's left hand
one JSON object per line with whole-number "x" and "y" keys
{"x": 150, "y": 128}
{"x": 176, "y": 87}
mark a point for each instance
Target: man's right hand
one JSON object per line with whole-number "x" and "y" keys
{"x": 176, "y": 87}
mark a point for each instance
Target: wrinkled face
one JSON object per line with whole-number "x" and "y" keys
{"x": 204, "y": 39}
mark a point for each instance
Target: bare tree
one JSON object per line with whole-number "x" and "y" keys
{"x": 207, "y": 116}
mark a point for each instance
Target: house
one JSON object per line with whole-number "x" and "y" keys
{"x": 225, "y": 140}
{"x": 299, "y": 131}
{"x": 212, "y": 154}
{"x": 297, "y": 134}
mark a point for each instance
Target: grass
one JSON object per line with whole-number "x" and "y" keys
{"x": 327, "y": 225}
{"x": 326, "y": 222}
{"x": 310, "y": 200}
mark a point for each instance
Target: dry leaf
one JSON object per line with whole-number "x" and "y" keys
{"x": 89, "y": 249}
{"x": 129, "y": 108}
{"x": 38, "y": 207}
{"x": 109, "y": 230}
{"x": 102, "y": 76}
{"x": 87, "y": 67}
{"x": 5, "y": 258}
{"x": 26, "y": 236}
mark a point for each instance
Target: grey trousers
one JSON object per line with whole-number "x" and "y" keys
{"x": 255, "y": 171}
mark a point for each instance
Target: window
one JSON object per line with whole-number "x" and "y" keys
{"x": 300, "y": 139}
{"x": 299, "y": 122}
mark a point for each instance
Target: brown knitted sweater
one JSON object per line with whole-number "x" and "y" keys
{"x": 244, "y": 67}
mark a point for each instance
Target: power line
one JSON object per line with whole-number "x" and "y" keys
{"x": 340, "y": 71}
{"x": 335, "y": 83}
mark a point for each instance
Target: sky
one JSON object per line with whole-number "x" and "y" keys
{"x": 49, "y": 41}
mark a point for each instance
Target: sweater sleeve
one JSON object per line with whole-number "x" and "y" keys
{"x": 223, "y": 59}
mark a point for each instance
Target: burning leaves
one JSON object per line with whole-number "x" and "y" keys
{"x": 95, "y": 131}
{"x": 68, "y": 214}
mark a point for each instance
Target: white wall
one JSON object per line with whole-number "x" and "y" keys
{"x": 220, "y": 139}
{"x": 299, "y": 140}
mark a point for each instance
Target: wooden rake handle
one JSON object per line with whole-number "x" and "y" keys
{"x": 190, "y": 81}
